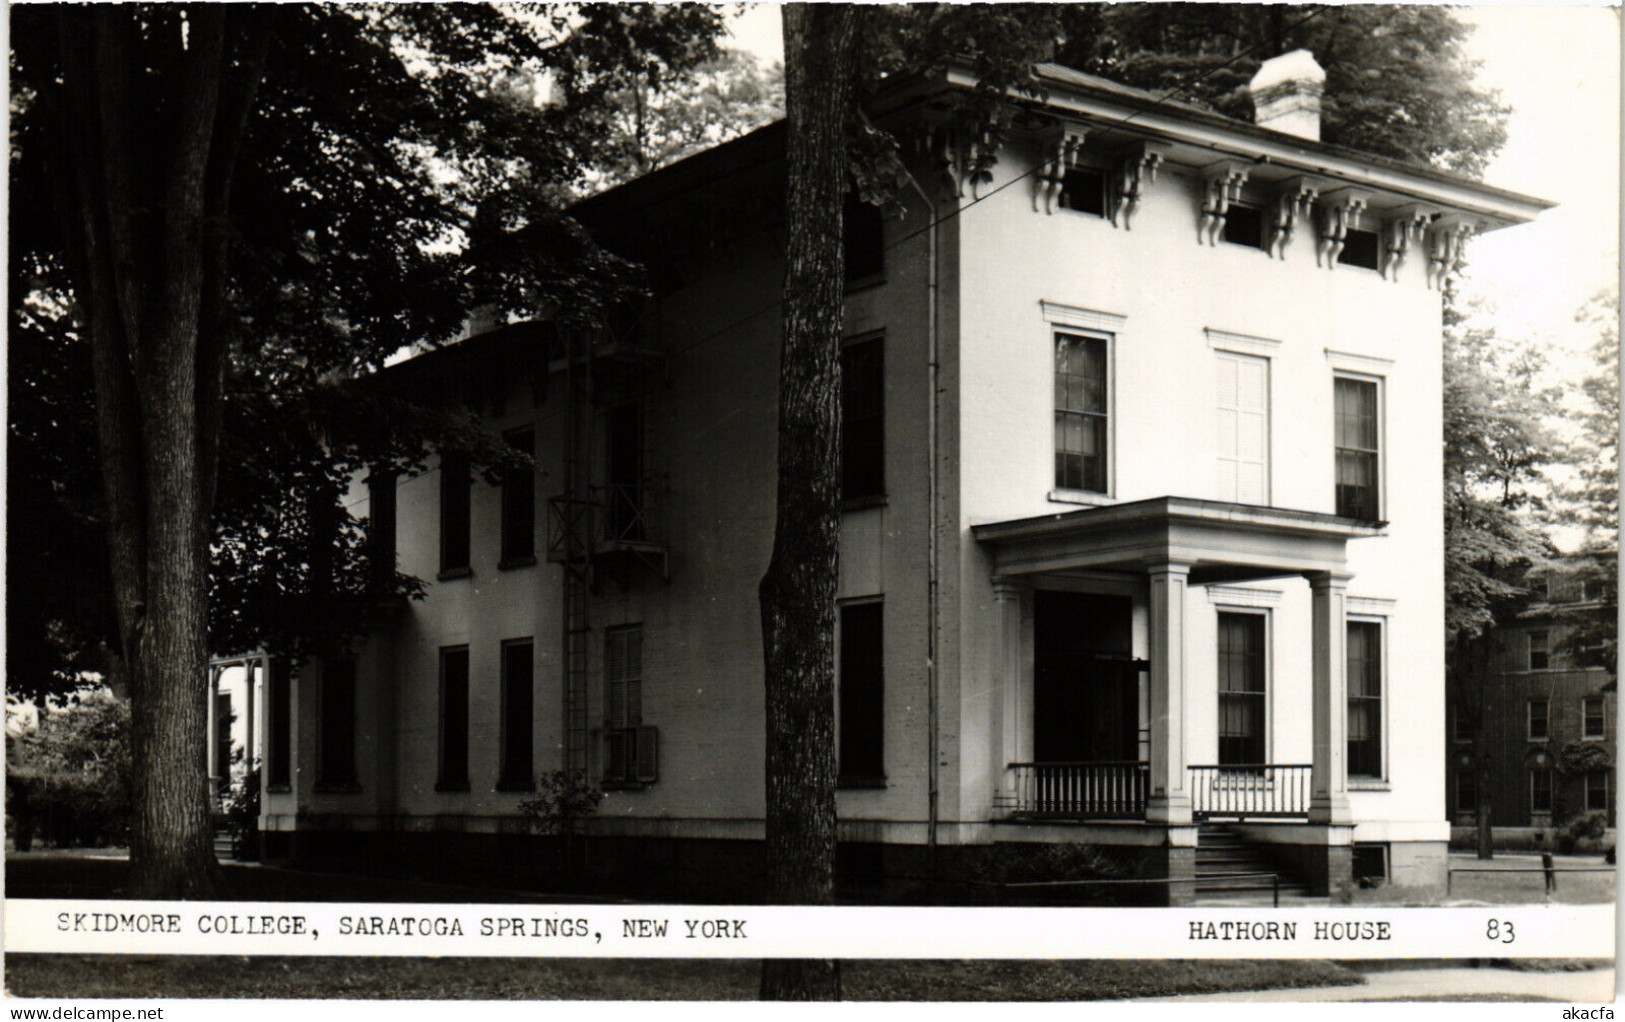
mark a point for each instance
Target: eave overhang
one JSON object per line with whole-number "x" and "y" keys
{"x": 1135, "y": 114}
{"x": 1219, "y": 541}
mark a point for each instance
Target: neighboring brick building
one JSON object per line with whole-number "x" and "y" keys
{"x": 1141, "y": 525}
{"x": 1550, "y": 729}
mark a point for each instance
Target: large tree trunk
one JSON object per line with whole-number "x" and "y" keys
{"x": 798, "y": 591}
{"x": 146, "y": 117}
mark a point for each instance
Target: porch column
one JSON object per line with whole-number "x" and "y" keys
{"x": 250, "y": 673}
{"x": 1170, "y": 800}
{"x": 1015, "y": 729}
{"x": 1329, "y": 781}
{"x": 213, "y": 746}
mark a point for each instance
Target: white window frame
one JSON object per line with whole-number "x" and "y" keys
{"x": 1607, "y": 790}
{"x": 1551, "y": 789}
{"x": 1107, "y": 326}
{"x": 1382, "y": 695}
{"x": 1586, "y": 734}
{"x": 1381, "y": 384}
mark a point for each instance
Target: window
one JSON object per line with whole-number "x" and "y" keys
{"x": 863, "y": 420}
{"x": 1540, "y": 790}
{"x": 381, "y": 525}
{"x": 1461, "y": 725}
{"x": 1244, "y": 225}
{"x": 623, "y": 497}
{"x": 1365, "y": 698}
{"x": 1466, "y": 791}
{"x": 862, "y": 696}
{"x": 1540, "y": 725}
{"x": 1357, "y": 427}
{"x": 337, "y": 736}
{"x": 1080, "y": 413}
{"x": 1540, "y": 657}
{"x": 1595, "y": 725}
{"x": 1241, "y": 689}
{"x": 1083, "y": 190}
{"x": 1243, "y": 428}
{"x": 863, "y": 240}
{"x": 1360, "y": 248}
{"x": 279, "y": 752}
{"x": 452, "y": 774}
{"x": 628, "y": 745}
{"x": 1597, "y": 800}
{"x": 519, "y": 504}
{"x": 518, "y": 720}
{"x": 454, "y": 514}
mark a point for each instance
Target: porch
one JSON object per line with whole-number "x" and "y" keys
{"x": 1057, "y": 792}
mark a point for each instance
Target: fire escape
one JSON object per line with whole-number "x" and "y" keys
{"x": 601, "y": 527}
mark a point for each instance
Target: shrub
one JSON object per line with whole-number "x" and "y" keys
{"x": 243, "y": 818}
{"x": 563, "y": 799}
{"x": 69, "y": 781}
{"x": 1591, "y": 825}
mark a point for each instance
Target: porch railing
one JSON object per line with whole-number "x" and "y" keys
{"x": 1102, "y": 791}
{"x": 1250, "y": 790}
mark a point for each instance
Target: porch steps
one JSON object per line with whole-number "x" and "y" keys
{"x": 1221, "y": 854}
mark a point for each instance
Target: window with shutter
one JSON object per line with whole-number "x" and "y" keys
{"x": 860, "y": 750}
{"x": 519, "y": 504}
{"x": 452, "y": 772}
{"x": 454, "y": 514}
{"x": 1243, "y": 428}
{"x": 626, "y": 761}
{"x": 336, "y": 765}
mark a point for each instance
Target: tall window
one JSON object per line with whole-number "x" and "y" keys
{"x": 1461, "y": 725}
{"x": 279, "y": 751}
{"x": 518, "y": 720}
{"x": 863, "y": 420}
{"x": 1540, "y": 654}
{"x": 336, "y": 766}
{"x": 623, "y": 501}
{"x": 1595, "y": 723}
{"x": 1597, "y": 783}
{"x": 623, "y": 702}
{"x": 862, "y": 696}
{"x": 1540, "y": 720}
{"x": 1080, "y": 413}
{"x": 1243, "y": 385}
{"x": 1365, "y": 698}
{"x": 1466, "y": 791}
{"x": 1242, "y": 671}
{"x": 1358, "y": 467}
{"x": 863, "y": 239}
{"x": 519, "y": 503}
{"x": 1540, "y": 790}
{"x": 453, "y": 766}
{"x": 454, "y": 513}
{"x": 381, "y": 525}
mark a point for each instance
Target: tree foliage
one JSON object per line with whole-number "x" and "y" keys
{"x": 69, "y": 778}
{"x": 1398, "y": 81}
{"x": 232, "y": 208}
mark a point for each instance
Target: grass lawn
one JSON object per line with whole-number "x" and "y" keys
{"x": 1511, "y": 883}
{"x": 177, "y": 976}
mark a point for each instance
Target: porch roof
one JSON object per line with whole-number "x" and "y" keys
{"x": 1221, "y": 541}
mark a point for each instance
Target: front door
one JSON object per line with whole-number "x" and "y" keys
{"x": 1085, "y": 679}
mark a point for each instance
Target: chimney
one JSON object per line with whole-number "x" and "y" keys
{"x": 1286, "y": 94}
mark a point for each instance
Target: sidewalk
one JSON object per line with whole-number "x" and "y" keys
{"x": 1593, "y": 987}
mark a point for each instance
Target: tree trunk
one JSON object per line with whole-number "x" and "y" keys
{"x": 145, "y": 142}
{"x": 798, "y": 591}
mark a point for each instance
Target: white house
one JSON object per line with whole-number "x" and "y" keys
{"x": 1142, "y": 522}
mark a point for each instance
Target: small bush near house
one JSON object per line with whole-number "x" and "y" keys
{"x": 243, "y": 818}
{"x": 1590, "y": 825}
{"x": 563, "y": 799}
{"x": 68, "y": 781}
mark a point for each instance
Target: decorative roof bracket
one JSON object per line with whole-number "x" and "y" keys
{"x": 1221, "y": 185}
{"x": 1402, "y": 228}
{"x": 1136, "y": 171}
{"x": 1295, "y": 199}
{"x": 1062, "y": 148}
{"x": 1447, "y": 245}
{"x": 1339, "y": 211}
